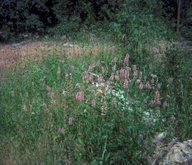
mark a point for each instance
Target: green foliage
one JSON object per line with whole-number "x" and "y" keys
{"x": 66, "y": 27}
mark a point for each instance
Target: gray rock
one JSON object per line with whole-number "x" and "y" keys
{"x": 180, "y": 153}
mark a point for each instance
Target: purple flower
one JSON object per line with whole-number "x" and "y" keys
{"x": 152, "y": 102}
{"x": 145, "y": 101}
{"x": 170, "y": 80}
{"x": 141, "y": 85}
{"x": 158, "y": 112}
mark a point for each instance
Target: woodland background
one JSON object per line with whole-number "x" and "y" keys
{"x": 26, "y": 18}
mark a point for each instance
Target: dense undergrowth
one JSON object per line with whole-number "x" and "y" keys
{"x": 93, "y": 101}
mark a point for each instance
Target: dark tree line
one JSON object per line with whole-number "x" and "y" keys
{"x": 41, "y": 16}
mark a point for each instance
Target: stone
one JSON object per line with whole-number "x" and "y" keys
{"x": 180, "y": 153}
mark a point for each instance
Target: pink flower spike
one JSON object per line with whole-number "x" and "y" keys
{"x": 48, "y": 88}
{"x": 152, "y": 102}
{"x": 99, "y": 78}
{"x": 72, "y": 68}
{"x": 141, "y": 85}
{"x": 170, "y": 80}
{"x": 145, "y": 101}
{"x": 113, "y": 101}
{"x": 112, "y": 76}
{"x": 126, "y": 84}
{"x": 173, "y": 117}
{"x": 70, "y": 120}
{"x": 127, "y": 73}
{"x": 165, "y": 104}
{"x": 158, "y": 112}
{"x": 62, "y": 130}
{"x": 111, "y": 90}
{"x": 93, "y": 102}
{"x": 121, "y": 72}
{"x": 82, "y": 96}
{"x": 77, "y": 95}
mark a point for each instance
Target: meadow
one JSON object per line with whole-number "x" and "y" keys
{"x": 92, "y": 100}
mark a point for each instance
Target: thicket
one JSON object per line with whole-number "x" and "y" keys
{"x": 117, "y": 18}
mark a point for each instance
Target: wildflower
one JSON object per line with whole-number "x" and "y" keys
{"x": 134, "y": 67}
{"x": 99, "y": 78}
{"x": 170, "y": 80}
{"x": 135, "y": 73}
{"x": 93, "y": 102}
{"x": 152, "y": 80}
{"x": 173, "y": 117}
{"x": 48, "y": 88}
{"x": 163, "y": 65}
{"x": 62, "y": 130}
{"x": 148, "y": 59}
{"x": 77, "y": 95}
{"x": 126, "y": 59}
{"x": 159, "y": 86}
{"x": 127, "y": 73}
{"x": 165, "y": 104}
{"x": 113, "y": 68}
{"x": 150, "y": 65}
{"x": 145, "y": 78}
{"x": 125, "y": 84}
{"x": 44, "y": 68}
{"x": 70, "y": 120}
{"x": 145, "y": 101}
{"x": 157, "y": 97}
{"x": 131, "y": 100}
{"x": 121, "y": 72}
{"x": 58, "y": 72}
{"x": 84, "y": 64}
{"x": 125, "y": 150}
{"x": 82, "y": 96}
{"x": 63, "y": 61}
{"x": 152, "y": 102}
{"x": 71, "y": 77}
{"x": 138, "y": 81}
{"x": 44, "y": 83}
{"x": 111, "y": 90}
{"x": 148, "y": 86}
{"x": 114, "y": 60}
{"x": 104, "y": 109}
{"x": 113, "y": 101}
{"x": 141, "y": 136}
{"x": 141, "y": 85}
{"x": 112, "y": 76}
{"x": 27, "y": 94}
{"x": 72, "y": 68}
{"x": 158, "y": 112}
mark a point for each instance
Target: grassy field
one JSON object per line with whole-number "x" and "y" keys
{"x": 92, "y": 101}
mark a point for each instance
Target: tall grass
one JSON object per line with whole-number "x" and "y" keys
{"x": 52, "y": 111}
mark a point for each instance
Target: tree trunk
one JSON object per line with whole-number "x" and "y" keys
{"x": 178, "y": 15}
